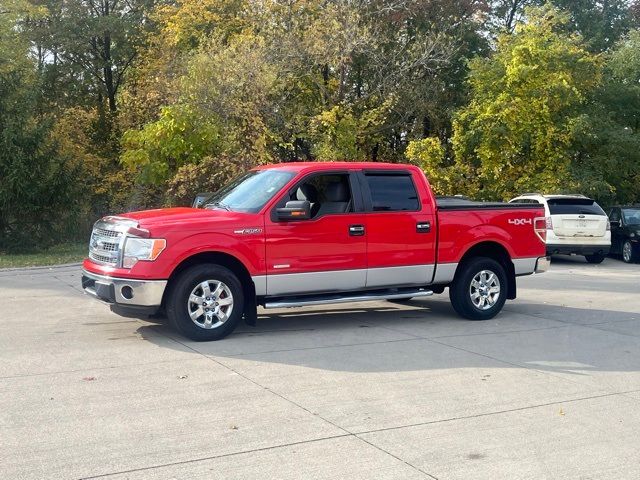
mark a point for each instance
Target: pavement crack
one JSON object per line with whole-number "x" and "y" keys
{"x": 213, "y": 457}
{"x": 498, "y": 412}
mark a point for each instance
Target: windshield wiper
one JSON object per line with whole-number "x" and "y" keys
{"x": 219, "y": 205}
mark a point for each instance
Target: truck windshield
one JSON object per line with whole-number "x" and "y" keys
{"x": 249, "y": 192}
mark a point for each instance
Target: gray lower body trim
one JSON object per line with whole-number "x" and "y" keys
{"x": 445, "y": 273}
{"x": 343, "y": 280}
{"x": 312, "y": 282}
{"x": 260, "y": 282}
{"x": 144, "y": 293}
{"x": 524, "y": 266}
{"x": 393, "y": 276}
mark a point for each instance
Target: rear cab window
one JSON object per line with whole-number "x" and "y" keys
{"x": 574, "y": 206}
{"x": 392, "y": 191}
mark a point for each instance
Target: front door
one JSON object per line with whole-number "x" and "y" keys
{"x": 323, "y": 254}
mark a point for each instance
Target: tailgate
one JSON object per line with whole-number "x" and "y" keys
{"x": 579, "y": 225}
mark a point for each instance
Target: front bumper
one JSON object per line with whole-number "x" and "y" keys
{"x": 143, "y": 295}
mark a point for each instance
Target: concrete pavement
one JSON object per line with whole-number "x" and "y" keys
{"x": 549, "y": 389}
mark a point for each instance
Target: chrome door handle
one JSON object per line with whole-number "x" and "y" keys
{"x": 423, "y": 227}
{"x": 356, "y": 230}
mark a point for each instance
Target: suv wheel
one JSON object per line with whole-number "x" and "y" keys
{"x": 206, "y": 302}
{"x": 479, "y": 290}
{"x": 595, "y": 258}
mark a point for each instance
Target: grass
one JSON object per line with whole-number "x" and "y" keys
{"x": 56, "y": 255}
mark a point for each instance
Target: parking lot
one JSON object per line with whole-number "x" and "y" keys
{"x": 549, "y": 389}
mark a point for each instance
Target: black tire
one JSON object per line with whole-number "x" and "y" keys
{"x": 595, "y": 258}
{"x": 460, "y": 292}
{"x": 634, "y": 254}
{"x": 178, "y": 304}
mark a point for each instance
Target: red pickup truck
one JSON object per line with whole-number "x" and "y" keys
{"x": 298, "y": 234}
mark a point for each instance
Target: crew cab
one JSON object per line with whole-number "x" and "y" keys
{"x": 298, "y": 234}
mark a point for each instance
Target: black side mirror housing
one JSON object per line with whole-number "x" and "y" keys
{"x": 294, "y": 210}
{"x": 615, "y": 223}
{"x": 200, "y": 198}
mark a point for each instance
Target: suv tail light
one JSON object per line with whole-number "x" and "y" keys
{"x": 549, "y": 222}
{"x": 608, "y": 225}
{"x": 540, "y": 225}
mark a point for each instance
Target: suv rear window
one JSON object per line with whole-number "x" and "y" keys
{"x": 574, "y": 206}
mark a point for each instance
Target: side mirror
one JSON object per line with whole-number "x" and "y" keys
{"x": 294, "y": 210}
{"x": 199, "y": 199}
{"x": 615, "y": 223}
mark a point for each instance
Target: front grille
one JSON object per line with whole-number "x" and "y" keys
{"x": 101, "y": 258}
{"x": 110, "y": 247}
{"x": 106, "y": 233}
{"x": 104, "y": 247}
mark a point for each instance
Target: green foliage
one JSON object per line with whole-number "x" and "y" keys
{"x": 177, "y": 138}
{"x": 211, "y": 174}
{"x": 148, "y": 102}
{"x": 38, "y": 184}
{"x": 517, "y": 132}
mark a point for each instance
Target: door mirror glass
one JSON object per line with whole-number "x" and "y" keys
{"x": 294, "y": 210}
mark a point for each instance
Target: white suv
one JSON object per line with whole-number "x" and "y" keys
{"x": 575, "y": 225}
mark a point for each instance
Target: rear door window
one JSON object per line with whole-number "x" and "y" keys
{"x": 574, "y": 206}
{"x": 392, "y": 193}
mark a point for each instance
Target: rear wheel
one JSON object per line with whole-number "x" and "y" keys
{"x": 628, "y": 255}
{"x": 479, "y": 290}
{"x": 595, "y": 258}
{"x": 206, "y": 302}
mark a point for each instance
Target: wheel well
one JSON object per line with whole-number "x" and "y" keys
{"x": 219, "y": 258}
{"x": 498, "y": 253}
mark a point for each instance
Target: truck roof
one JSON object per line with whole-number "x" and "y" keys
{"x": 304, "y": 166}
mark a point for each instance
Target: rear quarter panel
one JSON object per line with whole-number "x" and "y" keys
{"x": 512, "y": 227}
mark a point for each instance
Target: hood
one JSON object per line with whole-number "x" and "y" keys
{"x": 182, "y": 215}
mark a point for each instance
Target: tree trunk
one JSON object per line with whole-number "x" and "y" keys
{"x": 108, "y": 72}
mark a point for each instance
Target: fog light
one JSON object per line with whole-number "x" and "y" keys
{"x": 127, "y": 292}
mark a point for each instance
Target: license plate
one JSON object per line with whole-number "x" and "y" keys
{"x": 581, "y": 224}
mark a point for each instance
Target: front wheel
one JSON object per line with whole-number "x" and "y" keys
{"x": 206, "y": 302}
{"x": 479, "y": 289}
{"x": 595, "y": 258}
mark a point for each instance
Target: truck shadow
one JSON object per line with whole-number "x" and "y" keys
{"x": 427, "y": 335}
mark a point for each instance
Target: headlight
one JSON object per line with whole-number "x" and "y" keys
{"x": 142, "y": 249}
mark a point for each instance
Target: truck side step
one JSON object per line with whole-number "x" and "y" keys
{"x": 288, "y": 302}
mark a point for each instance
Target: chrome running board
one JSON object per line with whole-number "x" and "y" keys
{"x": 332, "y": 298}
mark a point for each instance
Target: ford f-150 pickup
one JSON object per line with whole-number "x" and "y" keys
{"x": 297, "y": 234}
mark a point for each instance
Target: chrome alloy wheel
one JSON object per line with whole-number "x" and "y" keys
{"x": 626, "y": 251}
{"x": 210, "y": 304}
{"x": 484, "y": 289}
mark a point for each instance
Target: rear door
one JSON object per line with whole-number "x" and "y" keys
{"x": 400, "y": 229}
{"x": 577, "y": 217}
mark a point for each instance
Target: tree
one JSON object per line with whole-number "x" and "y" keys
{"x": 89, "y": 43}
{"x": 517, "y": 132}
{"x": 39, "y": 186}
{"x": 607, "y": 140}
